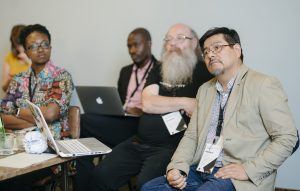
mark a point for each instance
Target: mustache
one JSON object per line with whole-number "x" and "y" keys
{"x": 214, "y": 61}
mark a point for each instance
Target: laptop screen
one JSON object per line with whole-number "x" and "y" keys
{"x": 100, "y": 100}
{"x": 42, "y": 125}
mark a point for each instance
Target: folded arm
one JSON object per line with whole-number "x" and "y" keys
{"x": 50, "y": 113}
{"x": 12, "y": 122}
{"x": 25, "y": 119}
{"x": 156, "y": 104}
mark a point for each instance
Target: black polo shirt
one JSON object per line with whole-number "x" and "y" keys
{"x": 152, "y": 129}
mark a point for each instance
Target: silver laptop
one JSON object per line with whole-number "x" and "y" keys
{"x": 101, "y": 100}
{"x": 69, "y": 147}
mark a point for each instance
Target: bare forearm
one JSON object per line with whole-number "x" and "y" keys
{"x": 25, "y": 114}
{"x": 50, "y": 113}
{"x": 5, "y": 76}
{"x": 157, "y": 104}
{"x": 5, "y": 82}
{"x": 5, "y": 86}
{"x": 160, "y": 104}
{"x": 12, "y": 122}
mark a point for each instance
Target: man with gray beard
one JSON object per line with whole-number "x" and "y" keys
{"x": 178, "y": 65}
{"x": 168, "y": 100}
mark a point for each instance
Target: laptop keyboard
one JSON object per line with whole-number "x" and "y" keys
{"x": 74, "y": 146}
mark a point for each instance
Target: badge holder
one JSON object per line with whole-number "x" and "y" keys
{"x": 174, "y": 122}
{"x": 210, "y": 155}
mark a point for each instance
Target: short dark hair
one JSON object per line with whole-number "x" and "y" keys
{"x": 230, "y": 36}
{"x": 33, "y": 28}
{"x": 144, "y": 32}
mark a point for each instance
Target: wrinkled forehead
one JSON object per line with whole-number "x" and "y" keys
{"x": 179, "y": 29}
{"x": 214, "y": 39}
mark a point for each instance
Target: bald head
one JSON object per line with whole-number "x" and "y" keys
{"x": 181, "y": 28}
{"x": 181, "y": 36}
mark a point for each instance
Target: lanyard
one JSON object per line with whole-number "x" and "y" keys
{"x": 221, "y": 118}
{"x": 31, "y": 91}
{"x": 136, "y": 79}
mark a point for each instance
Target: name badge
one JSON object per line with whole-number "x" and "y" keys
{"x": 210, "y": 155}
{"x": 174, "y": 122}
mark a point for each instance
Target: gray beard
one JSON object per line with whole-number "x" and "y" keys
{"x": 217, "y": 72}
{"x": 178, "y": 66}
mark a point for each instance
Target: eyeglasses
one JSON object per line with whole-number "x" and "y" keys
{"x": 178, "y": 39}
{"x": 36, "y": 46}
{"x": 216, "y": 48}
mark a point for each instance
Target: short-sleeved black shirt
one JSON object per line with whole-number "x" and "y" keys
{"x": 151, "y": 129}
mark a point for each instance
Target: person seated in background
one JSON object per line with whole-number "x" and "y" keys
{"x": 111, "y": 130}
{"x": 170, "y": 87}
{"x": 241, "y": 131}
{"x": 46, "y": 85}
{"x": 16, "y": 60}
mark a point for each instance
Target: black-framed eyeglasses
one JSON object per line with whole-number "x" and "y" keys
{"x": 180, "y": 38}
{"x": 36, "y": 46}
{"x": 216, "y": 48}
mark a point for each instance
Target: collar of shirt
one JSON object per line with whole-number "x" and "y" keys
{"x": 229, "y": 86}
{"x": 46, "y": 72}
{"x": 143, "y": 69}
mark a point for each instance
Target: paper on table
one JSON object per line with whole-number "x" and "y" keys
{"x": 22, "y": 160}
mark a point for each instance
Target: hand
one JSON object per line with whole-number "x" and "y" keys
{"x": 234, "y": 171}
{"x": 176, "y": 179}
{"x": 10, "y": 77}
{"x": 50, "y": 112}
{"x": 189, "y": 105}
{"x": 24, "y": 57}
{"x": 134, "y": 111}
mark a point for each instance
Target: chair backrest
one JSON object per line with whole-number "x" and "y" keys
{"x": 74, "y": 121}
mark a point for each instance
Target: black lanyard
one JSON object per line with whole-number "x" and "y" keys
{"x": 136, "y": 79}
{"x": 221, "y": 118}
{"x": 31, "y": 91}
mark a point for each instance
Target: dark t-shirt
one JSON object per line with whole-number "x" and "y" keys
{"x": 152, "y": 129}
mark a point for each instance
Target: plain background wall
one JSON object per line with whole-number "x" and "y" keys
{"x": 89, "y": 38}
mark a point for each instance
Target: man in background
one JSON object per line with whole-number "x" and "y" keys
{"x": 111, "y": 130}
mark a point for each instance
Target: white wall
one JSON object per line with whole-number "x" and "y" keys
{"x": 89, "y": 38}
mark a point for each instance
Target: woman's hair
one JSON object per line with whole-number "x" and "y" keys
{"x": 14, "y": 38}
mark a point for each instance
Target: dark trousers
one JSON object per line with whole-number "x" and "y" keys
{"x": 25, "y": 182}
{"x": 126, "y": 160}
{"x": 110, "y": 130}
